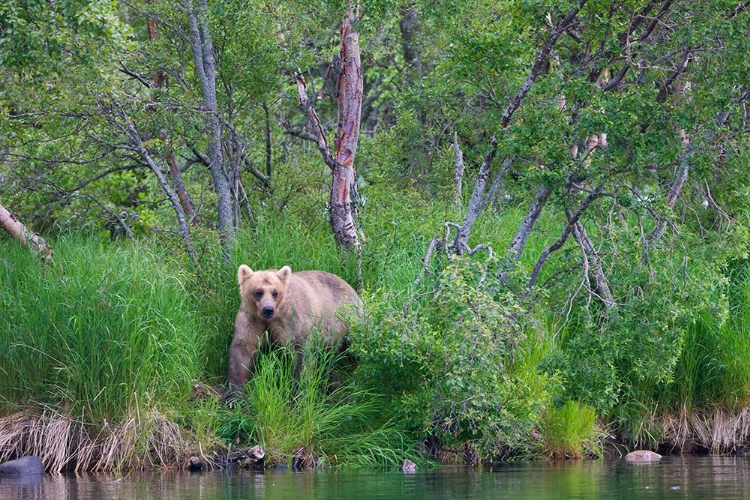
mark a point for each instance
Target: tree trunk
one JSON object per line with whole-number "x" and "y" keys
{"x": 205, "y": 65}
{"x": 28, "y": 238}
{"x": 572, "y": 221}
{"x": 269, "y": 144}
{"x": 179, "y": 186}
{"x": 458, "y": 172}
{"x": 518, "y": 243}
{"x": 344, "y": 183}
{"x": 343, "y": 200}
{"x": 480, "y": 197}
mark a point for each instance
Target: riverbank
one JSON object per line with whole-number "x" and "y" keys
{"x": 65, "y": 444}
{"x": 117, "y": 353}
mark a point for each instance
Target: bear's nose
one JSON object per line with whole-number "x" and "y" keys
{"x": 267, "y": 312}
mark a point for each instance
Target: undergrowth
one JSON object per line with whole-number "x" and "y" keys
{"x": 106, "y": 344}
{"x": 323, "y": 417}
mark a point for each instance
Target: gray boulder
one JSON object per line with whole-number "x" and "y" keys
{"x": 642, "y": 456}
{"x": 25, "y": 466}
{"x": 409, "y": 466}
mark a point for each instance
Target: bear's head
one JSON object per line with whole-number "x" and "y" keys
{"x": 263, "y": 291}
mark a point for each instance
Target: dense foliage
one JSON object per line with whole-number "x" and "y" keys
{"x": 587, "y": 269}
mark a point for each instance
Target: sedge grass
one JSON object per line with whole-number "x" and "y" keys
{"x": 571, "y": 431}
{"x": 104, "y": 338}
{"x": 714, "y": 367}
{"x": 335, "y": 426}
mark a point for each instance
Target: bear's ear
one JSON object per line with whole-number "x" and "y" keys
{"x": 243, "y": 273}
{"x": 284, "y": 273}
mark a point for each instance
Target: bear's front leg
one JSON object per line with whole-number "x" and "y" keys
{"x": 248, "y": 333}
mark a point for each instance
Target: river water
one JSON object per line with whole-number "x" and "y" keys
{"x": 691, "y": 477}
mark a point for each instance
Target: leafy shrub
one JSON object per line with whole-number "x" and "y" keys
{"x": 451, "y": 357}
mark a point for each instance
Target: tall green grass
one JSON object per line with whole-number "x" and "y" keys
{"x": 102, "y": 332}
{"x": 571, "y": 431}
{"x": 335, "y": 422}
{"x": 714, "y": 369}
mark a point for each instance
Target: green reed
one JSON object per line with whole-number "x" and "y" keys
{"x": 101, "y": 332}
{"x": 570, "y": 431}
{"x": 323, "y": 412}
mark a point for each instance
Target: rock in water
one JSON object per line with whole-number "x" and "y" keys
{"x": 409, "y": 466}
{"x": 254, "y": 458}
{"x": 25, "y": 466}
{"x": 642, "y": 456}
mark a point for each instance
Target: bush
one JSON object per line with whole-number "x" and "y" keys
{"x": 452, "y": 359}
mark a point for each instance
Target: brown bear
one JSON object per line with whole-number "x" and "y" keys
{"x": 287, "y": 305}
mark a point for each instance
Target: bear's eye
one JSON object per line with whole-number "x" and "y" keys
{"x": 274, "y": 294}
{"x": 258, "y": 294}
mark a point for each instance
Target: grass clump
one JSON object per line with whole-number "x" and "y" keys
{"x": 570, "y": 431}
{"x": 106, "y": 336}
{"x": 334, "y": 423}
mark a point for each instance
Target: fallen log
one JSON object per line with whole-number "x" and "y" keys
{"x": 28, "y": 238}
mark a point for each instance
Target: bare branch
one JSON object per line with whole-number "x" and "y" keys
{"x": 561, "y": 240}
{"x": 135, "y": 140}
{"x": 313, "y": 118}
{"x": 740, "y": 8}
{"x": 134, "y": 75}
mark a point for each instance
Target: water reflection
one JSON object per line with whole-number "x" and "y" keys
{"x": 673, "y": 477}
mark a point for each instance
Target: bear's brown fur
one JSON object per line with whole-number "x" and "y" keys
{"x": 287, "y": 305}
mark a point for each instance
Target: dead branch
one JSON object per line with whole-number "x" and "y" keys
{"x": 458, "y": 171}
{"x": 561, "y": 240}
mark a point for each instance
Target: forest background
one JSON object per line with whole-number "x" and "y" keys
{"x": 546, "y": 216}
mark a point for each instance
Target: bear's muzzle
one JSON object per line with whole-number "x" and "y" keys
{"x": 267, "y": 312}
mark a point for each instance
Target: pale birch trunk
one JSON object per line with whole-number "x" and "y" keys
{"x": 205, "y": 66}
{"x": 35, "y": 243}
{"x": 344, "y": 180}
